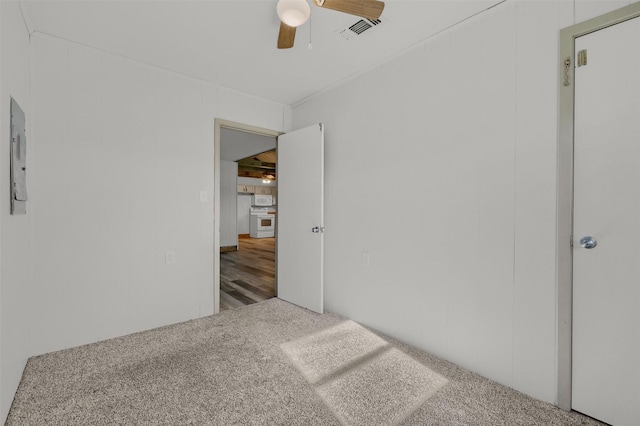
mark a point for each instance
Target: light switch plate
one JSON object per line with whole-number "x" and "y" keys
{"x": 204, "y": 197}
{"x": 170, "y": 257}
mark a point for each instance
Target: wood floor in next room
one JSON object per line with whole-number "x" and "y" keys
{"x": 248, "y": 275}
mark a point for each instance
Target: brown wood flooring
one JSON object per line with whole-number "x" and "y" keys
{"x": 248, "y": 275}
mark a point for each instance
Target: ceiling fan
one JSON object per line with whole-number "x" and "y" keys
{"x": 293, "y": 13}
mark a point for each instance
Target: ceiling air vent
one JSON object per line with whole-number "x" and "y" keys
{"x": 358, "y": 29}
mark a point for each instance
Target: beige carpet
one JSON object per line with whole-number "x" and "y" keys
{"x": 266, "y": 364}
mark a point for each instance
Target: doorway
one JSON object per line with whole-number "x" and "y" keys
{"x": 244, "y": 264}
{"x": 598, "y": 331}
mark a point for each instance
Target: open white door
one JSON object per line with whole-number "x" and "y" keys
{"x": 301, "y": 217}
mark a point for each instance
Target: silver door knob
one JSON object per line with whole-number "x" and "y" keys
{"x": 588, "y": 242}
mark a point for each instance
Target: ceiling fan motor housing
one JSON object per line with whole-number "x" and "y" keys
{"x": 293, "y": 12}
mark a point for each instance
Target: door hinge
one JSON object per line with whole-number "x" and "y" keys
{"x": 566, "y": 70}
{"x": 571, "y": 241}
{"x": 582, "y": 58}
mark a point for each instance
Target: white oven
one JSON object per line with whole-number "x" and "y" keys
{"x": 262, "y": 224}
{"x": 261, "y": 200}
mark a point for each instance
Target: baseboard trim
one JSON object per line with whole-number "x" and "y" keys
{"x": 228, "y": 249}
{"x": 244, "y": 236}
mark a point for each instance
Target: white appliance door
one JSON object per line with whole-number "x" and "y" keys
{"x": 606, "y": 278}
{"x": 301, "y": 217}
{"x": 266, "y": 222}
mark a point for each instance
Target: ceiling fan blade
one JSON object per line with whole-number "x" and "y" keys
{"x": 370, "y": 9}
{"x": 286, "y": 37}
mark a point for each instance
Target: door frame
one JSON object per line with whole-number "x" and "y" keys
{"x": 564, "y": 220}
{"x": 220, "y": 123}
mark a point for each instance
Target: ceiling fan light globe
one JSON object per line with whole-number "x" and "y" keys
{"x": 293, "y": 12}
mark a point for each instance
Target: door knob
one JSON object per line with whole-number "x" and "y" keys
{"x": 588, "y": 242}
{"x": 317, "y": 229}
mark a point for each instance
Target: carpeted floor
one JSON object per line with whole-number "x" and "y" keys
{"x": 271, "y": 363}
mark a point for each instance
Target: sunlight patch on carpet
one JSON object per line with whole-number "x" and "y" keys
{"x": 361, "y": 377}
{"x": 386, "y": 390}
{"x": 322, "y": 354}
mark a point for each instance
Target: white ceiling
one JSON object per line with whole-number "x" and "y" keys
{"x": 232, "y": 43}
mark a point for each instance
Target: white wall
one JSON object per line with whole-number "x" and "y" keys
{"x": 467, "y": 271}
{"x": 228, "y": 203}
{"x": 118, "y": 155}
{"x": 16, "y": 238}
{"x": 118, "y": 166}
{"x": 122, "y": 152}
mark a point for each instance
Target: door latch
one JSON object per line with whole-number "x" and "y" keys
{"x": 317, "y": 229}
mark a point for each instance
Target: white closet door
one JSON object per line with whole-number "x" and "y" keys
{"x": 606, "y": 278}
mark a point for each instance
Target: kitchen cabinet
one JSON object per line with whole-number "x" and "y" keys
{"x": 247, "y": 189}
{"x": 264, "y": 190}
{"x": 256, "y": 189}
